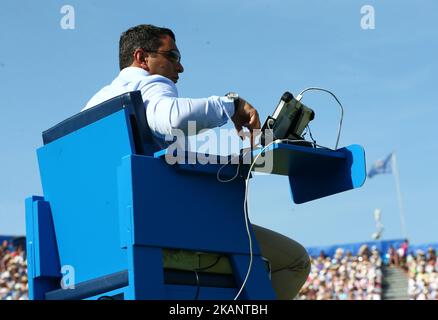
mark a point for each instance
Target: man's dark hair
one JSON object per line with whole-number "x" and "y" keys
{"x": 144, "y": 36}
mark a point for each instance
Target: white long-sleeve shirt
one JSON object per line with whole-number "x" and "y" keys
{"x": 164, "y": 109}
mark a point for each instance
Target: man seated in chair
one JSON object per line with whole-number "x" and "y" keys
{"x": 150, "y": 62}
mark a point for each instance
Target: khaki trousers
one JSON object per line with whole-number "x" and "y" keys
{"x": 290, "y": 263}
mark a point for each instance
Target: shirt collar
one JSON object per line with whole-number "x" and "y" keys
{"x": 134, "y": 71}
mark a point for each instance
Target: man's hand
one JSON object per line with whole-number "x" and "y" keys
{"x": 246, "y": 117}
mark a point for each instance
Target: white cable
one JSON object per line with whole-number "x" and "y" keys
{"x": 220, "y": 169}
{"x": 298, "y": 98}
{"x": 237, "y": 170}
{"x": 245, "y": 203}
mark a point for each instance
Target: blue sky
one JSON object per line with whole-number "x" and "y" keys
{"x": 385, "y": 77}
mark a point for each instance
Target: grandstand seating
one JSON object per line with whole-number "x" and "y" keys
{"x": 343, "y": 272}
{"x": 13, "y": 270}
{"x": 345, "y": 276}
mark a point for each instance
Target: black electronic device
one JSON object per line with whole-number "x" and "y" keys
{"x": 288, "y": 121}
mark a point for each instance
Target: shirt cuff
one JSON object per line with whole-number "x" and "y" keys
{"x": 228, "y": 106}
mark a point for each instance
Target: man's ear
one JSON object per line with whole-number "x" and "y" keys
{"x": 141, "y": 59}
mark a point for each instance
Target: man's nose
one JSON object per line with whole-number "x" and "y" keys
{"x": 179, "y": 68}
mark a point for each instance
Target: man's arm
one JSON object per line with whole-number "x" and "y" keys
{"x": 166, "y": 111}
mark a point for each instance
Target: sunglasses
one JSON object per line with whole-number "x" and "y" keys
{"x": 172, "y": 55}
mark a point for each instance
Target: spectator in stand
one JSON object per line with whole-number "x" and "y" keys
{"x": 364, "y": 251}
{"x": 431, "y": 256}
{"x": 375, "y": 257}
{"x": 322, "y": 254}
{"x": 402, "y": 252}
{"x": 393, "y": 257}
{"x": 5, "y": 245}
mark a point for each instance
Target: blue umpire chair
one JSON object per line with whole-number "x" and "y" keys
{"x": 118, "y": 222}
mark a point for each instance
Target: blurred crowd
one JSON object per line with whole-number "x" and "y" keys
{"x": 422, "y": 270}
{"x": 13, "y": 272}
{"x": 345, "y": 276}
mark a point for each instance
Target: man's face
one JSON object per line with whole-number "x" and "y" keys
{"x": 163, "y": 63}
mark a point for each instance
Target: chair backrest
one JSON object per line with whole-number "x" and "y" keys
{"x": 78, "y": 167}
{"x": 132, "y": 102}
